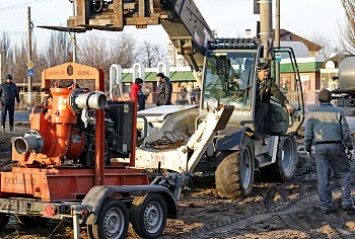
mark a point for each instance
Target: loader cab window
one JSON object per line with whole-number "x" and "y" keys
{"x": 229, "y": 78}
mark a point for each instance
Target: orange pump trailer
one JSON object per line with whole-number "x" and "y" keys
{"x": 105, "y": 198}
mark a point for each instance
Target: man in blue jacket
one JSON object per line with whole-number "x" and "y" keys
{"x": 9, "y": 93}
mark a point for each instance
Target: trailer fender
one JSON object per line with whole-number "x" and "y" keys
{"x": 95, "y": 198}
{"x": 230, "y": 141}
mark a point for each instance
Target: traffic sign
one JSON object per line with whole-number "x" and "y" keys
{"x": 278, "y": 57}
{"x": 30, "y": 65}
{"x": 30, "y": 72}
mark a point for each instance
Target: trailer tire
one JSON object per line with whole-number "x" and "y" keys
{"x": 148, "y": 215}
{"x": 30, "y": 222}
{"x": 112, "y": 221}
{"x": 4, "y": 219}
{"x": 234, "y": 176}
{"x": 284, "y": 169}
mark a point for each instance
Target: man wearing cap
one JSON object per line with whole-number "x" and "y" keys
{"x": 328, "y": 129}
{"x": 9, "y": 93}
{"x": 267, "y": 87}
{"x": 164, "y": 90}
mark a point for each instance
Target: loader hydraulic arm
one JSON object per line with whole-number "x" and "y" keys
{"x": 183, "y": 22}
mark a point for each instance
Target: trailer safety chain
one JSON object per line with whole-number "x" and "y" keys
{"x": 169, "y": 141}
{"x": 289, "y": 200}
{"x": 56, "y": 228}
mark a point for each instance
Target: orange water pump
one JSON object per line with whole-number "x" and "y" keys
{"x": 54, "y": 133}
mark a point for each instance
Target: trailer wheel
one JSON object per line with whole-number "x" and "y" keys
{"x": 4, "y": 219}
{"x": 30, "y": 222}
{"x": 234, "y": 176}
{"x": 148, "y": 215}
{"x": 284, "y": 169}
{"x": 112, "y": 221}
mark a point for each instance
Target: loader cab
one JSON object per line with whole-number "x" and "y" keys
{"x": 230, "y": 76}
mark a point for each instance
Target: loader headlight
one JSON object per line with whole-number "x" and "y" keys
{"x": 212, "y": 104}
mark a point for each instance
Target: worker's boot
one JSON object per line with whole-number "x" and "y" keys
{"x": 12, "y": 128}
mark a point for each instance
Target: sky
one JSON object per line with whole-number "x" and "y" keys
{"x": 230, "y": 18}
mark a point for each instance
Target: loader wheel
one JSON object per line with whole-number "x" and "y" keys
{"x": 284, "y": 169}
{"x": 4, "y": 219}
{"x": 30, "y": 222}
{"x": 235, "y": 174}
{"x": 148, "y": 215}
{"x": 112, "y": 222}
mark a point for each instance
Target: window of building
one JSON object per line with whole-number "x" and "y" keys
{"x": 327, "y": 81}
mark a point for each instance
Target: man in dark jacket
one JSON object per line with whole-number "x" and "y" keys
{"x": 164, "y": 90}
{"x": 9, "y": 93}
{"x": 327, "y": 127}
{"x": 267, "y": 87}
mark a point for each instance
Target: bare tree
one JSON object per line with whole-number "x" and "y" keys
{"x": 20, "y": 63}
{"x": 58, "y": 49}
{"x": 6, "y": 54}
{"x": 149, "y": 54}
{"x": 348, "y": 29}
{"x": 123, "y": 50}
{"x": 92, "y": 51}
{"x": 324, "y": 42}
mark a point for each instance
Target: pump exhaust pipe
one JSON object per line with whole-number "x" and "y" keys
{"x": 32, "y": 141}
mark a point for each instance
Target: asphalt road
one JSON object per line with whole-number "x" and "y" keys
{"x": 21, "y": 116}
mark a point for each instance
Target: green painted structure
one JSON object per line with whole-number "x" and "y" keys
{"x": 187, "y": 76}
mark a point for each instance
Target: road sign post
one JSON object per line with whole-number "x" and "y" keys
{"x": 30, "y": 72}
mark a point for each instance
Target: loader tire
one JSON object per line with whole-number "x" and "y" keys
{"x": 234, "y": 176}
{"x": 284, "y": 169}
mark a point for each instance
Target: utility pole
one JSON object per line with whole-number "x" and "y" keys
{"x": 29, "y": 56}
{"x": 74, "y": 34}
{"x": 265, "y": 8}
{"x": 1, "y": 65}
{"x": 277, "y": 39}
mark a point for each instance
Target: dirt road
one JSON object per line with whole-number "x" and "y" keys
{"x": 273, "y": 210}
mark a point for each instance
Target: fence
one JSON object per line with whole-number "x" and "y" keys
{"x": 28, "y": 100}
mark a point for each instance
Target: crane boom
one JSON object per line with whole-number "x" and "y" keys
{"x": 182, "y": 21}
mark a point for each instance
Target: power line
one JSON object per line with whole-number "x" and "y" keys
{"x": 21, "y": 5}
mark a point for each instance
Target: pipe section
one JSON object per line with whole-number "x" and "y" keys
{"x": 91, "y": 100}
{"x": 32, "y": 141}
